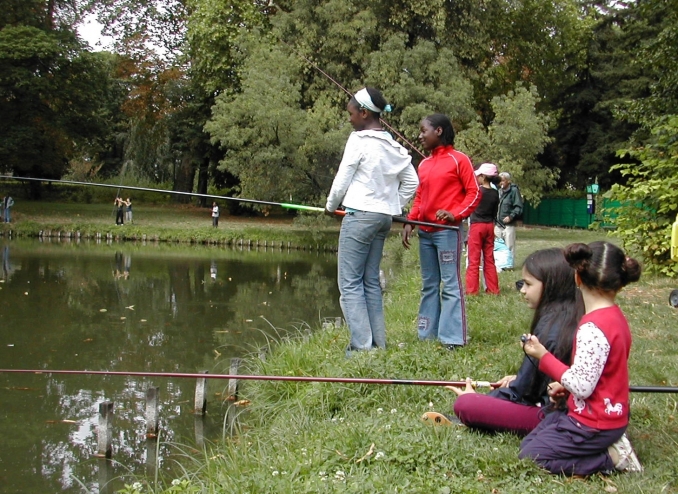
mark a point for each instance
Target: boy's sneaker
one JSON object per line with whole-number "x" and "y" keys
{"x": 435, "y": 418}
{"x": 628, "y": 461}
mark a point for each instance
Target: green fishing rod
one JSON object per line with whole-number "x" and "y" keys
{"x": 297, "y": 207}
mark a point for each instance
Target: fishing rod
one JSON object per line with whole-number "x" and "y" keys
{"x": 299, "y": 207}
{"x": 352, "y": 380}
{"x": 349, "y": 380}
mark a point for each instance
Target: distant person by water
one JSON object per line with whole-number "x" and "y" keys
{"x": 7, "y": 204}
{"x": 215, "y": 215}
{"x": 128, "y": 210}
{"x": 119, "y": 210}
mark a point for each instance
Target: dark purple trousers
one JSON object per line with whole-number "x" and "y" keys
{"x": 560, "y": 444}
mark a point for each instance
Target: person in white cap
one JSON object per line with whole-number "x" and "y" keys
{"x": 481, "y": 233}
{"x": 374, "y": 182}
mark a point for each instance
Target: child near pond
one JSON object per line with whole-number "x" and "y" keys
{"x": 590, "y": 435}
{"x": 215, "y": 215}
{"x": 519, "y": 404}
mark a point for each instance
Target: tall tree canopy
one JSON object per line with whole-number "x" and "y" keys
{"x": 53, "y": 93}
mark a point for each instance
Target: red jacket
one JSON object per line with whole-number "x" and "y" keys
{"x": 446, "y": 181}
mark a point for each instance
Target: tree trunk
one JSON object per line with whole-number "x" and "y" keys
{"x": 183, "y": 181}
{"x": 203, "y": 179}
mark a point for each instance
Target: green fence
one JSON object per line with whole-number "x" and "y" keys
{"x": 566, "y": 213}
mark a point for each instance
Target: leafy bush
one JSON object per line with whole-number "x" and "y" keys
{"x": 649, "y": 200}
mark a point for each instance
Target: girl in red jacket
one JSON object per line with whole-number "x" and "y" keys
{"x": 589, "y": 436}
{"x": 448, "y": 192}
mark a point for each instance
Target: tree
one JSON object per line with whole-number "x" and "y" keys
{"x": 649, "y": 199}
{"x": 590, "y": 128}
{"x": 513, "y": 141}
{"x": 51, "y": 98}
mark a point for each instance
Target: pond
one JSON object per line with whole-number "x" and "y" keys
{"x": 134, "y": 307}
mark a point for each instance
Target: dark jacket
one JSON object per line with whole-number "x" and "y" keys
{"x": 510, "y": 204}
{"x": 529, "y": 386}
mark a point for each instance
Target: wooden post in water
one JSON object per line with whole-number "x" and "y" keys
{"x": 105, "y": 449}
{"x": 233, "y": 383}
{"x": 104, "y": 475}
{"x": 200, "y": 406}
{"x": 152, "y": 411}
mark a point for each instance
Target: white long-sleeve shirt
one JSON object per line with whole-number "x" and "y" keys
{"x": 375, "y": 175}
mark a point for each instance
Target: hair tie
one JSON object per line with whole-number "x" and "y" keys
{"x": 388, "y": 109}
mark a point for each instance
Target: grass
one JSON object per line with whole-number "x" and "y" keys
{"x": 170, "y": 223}
{"x": 319, "y": 437}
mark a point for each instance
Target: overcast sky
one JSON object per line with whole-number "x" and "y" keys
{"x": 90, "y": 31}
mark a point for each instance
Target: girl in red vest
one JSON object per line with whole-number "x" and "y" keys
{"x": 589, "y": 436}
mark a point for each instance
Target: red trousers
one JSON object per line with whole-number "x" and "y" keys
{"x": 481, "y": 240}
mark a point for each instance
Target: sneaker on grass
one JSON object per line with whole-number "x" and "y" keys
{"x": 624, "y": 456}
{"x": 435, "y": 418}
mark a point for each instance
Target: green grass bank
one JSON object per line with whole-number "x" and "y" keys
{"x": 358, "y": 438}
{"x": 169, "y": 222}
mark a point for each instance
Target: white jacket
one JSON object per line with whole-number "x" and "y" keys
{"x": 375, "y": 175}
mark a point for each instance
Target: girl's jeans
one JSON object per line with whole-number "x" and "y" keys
{"x": 361, "y": 243}
{"x": 442, "y": 313}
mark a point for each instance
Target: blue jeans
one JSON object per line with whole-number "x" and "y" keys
{"x": 7, "y": 215}
{"x": 442, "y": 313}
{"x": 361, "y": 243}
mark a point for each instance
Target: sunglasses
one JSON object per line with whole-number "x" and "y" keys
{"x": 520, "y": 284}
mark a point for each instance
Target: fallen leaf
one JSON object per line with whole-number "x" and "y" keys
{"x": 88, "y": 340}
{"x": 242, "y": 403}
{"x": 103, "y": 310}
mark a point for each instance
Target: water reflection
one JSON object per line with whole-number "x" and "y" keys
{"x": 73, "y": 305}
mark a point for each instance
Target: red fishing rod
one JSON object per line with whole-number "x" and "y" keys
{"x": 348, "y": 380}
{"x": 298, "y": 207}
{"x": 352, "y": 380}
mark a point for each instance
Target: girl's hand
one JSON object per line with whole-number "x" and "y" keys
{"x": 556, "y": 392}
{"x": 407, "y": 230}
{"x": 504, "y": 382}
{"x": 468, "y": 389}
{"x": 532, "y": 346}
{"x": 445, "y": 216}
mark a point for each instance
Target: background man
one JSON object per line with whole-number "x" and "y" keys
{"x": 510, "y": 209}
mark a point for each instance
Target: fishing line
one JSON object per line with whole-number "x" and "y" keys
{"x": 299, "y": 207}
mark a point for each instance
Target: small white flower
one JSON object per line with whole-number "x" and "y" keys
{"x": 322, "y": 474}
{"x": 340, "y": 475}
{"x": 341, "y": 419}
{"x": 393, "y": 410}
{"x": 379, "y": 455}
{"x": 137, "y": 486}
{"x": 430, "y": 404}
{"x": 495, "y": 449}
{"x": 387, "y": 426}
{"x": 334, "y": 419}
{"x": 379, "y": 410}
{"x": 176, "y": 482}
{"x": 275, "y": 472}
{"x": 284, "y": 472}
